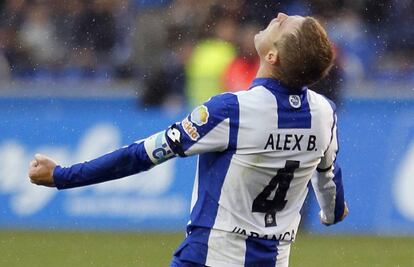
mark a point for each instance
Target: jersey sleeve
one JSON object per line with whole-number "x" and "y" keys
{"x": 117, "y": 164}
{"x": 327, "y": 182}
{"x": 137, "y": 157}
{"x": 205, "y": 129}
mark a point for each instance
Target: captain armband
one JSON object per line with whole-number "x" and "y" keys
{"x": 164, "y": 145}
{"x": 157, "y": 148}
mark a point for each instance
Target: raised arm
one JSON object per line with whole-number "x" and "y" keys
{"x": 206, "y": 129}
{"x": 137, "y": 157}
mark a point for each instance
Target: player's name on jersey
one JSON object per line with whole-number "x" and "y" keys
{"x": 291, "y": 142}
{"x": 287, "y": 236}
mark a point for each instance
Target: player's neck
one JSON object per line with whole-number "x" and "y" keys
{"x": 266, "y": 71}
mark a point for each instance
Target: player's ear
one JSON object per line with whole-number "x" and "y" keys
{"x": 272, "y": 57}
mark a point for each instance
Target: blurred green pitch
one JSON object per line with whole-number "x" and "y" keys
{"x": 78, "y": 249}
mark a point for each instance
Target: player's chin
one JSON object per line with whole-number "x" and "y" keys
{"x": 257, "y": 43}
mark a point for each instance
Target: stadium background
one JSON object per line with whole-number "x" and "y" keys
{"x": 80, "y": 78}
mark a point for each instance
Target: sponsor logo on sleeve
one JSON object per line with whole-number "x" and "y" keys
{"x": 174, "y": 135}
{"x": 190, "y": 130}
{"x": 294, "y": 101}
{"x": 200, "y": 115}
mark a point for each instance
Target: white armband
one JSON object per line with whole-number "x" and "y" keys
{"x": 157, "y": 148}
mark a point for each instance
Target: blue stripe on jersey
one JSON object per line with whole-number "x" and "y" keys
{"x": 276, "y": 85}
{"x": 340, "y": 199}
{"x": 218, "y": 111}
{"x": 176, "y": 262}
{"x": 212, "y": 170}
{"x": 194, "y": 248}
{"x": 260, "y": 252}
{"x": 289, "y": 117}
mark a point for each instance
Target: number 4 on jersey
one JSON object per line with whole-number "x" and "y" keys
{"x": 281, "y": 183}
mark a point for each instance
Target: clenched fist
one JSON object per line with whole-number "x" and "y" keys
{"x": 41, "y": 170}
{"x": 324, "y": 220}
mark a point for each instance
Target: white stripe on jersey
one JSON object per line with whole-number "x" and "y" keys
{"x": 252, "y": 167}
{"x": 259, "y": 149}
{"x": 216, "y": 140}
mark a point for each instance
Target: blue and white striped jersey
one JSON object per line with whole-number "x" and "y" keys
{"x": 258, "y": 151}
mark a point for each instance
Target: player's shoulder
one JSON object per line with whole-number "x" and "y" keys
{"x": 222, "y": 101}
{"x": 254, "y": 94}
{"x": 222, "y": 98}
{"x": 232, "y": 100}
{"x": 218, "y": 106}
{"x": 319, "y": 101}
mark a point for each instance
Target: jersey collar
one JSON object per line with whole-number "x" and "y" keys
{"x": 277, "y": 86}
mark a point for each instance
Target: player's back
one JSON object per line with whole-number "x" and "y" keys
{"x": 281, "y": 139}
{"x": 254, "y": 189}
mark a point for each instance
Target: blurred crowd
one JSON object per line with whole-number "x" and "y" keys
{"x": 188, "y": 50}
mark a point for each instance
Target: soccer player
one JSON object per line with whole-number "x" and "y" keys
{"x": 258, "y": 150}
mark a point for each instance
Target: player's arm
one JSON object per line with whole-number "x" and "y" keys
{"x": 328, "y": 186}
{"x": 117, "y": 164}
{"x": 206, "y": 129}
